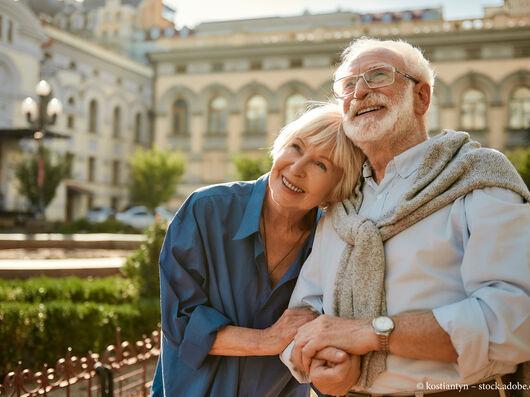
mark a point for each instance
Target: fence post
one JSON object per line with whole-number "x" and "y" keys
{"x": 106, "y": 379}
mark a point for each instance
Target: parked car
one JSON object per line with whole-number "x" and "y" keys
{"x": 99, "y": 214}
{"x": 140, "y": 217}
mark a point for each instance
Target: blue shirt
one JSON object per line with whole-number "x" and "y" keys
{"x": 213, "y": 273}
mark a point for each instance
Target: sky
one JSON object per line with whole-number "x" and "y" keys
{"x": 192, "y": 12}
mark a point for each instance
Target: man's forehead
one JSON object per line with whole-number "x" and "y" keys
{"x": 375, "y": 57}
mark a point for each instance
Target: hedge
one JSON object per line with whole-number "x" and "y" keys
{"x": 37, "y": 333}
{"x": 111, "y": 290}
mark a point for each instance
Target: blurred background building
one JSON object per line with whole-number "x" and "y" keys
{"x": 127, "y": 77}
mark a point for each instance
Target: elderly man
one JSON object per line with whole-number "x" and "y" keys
{"x": 423, "y": 274}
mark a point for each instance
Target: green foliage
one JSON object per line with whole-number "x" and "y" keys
{"x": 38, "y": 333}
{"x": 154, "y": 176}
{"x": 84, "y": 226}
{"x": 142, "y": 265}
{"x": 520, "y": 158}
{"x": 111, "y": 290}
{"x": 26, "y": 172}
{"x": 251, "y": 168}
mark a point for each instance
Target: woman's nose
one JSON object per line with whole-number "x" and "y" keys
{"x": 299, "y": 166}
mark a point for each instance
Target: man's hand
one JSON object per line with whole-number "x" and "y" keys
{"x": 352, "y": 336}
{"x": 332, "y": 377}
{"x": 282, "y": 332}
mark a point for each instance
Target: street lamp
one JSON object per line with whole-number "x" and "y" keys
{"x": 40, "y": 116}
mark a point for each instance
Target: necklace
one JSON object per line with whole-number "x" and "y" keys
{"x": 265, "y": 245}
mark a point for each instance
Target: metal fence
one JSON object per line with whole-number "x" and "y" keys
{"x": 124, "y": 369}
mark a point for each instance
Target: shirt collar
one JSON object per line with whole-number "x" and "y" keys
{"x": 250, "y": 221}
{"x": 409, "y": 161}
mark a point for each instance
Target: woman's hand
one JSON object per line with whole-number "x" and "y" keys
{"x": 283, "y": 331}
{"x": 333, "y": 377}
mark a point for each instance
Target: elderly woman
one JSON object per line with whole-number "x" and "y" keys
{"x": 230, "y": 261}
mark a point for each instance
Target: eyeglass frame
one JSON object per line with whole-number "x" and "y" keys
{"x": 394, "y": 70}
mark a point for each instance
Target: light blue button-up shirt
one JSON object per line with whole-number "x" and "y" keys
{"x": 467, "y": 262}
{"x": 213, "y": 273}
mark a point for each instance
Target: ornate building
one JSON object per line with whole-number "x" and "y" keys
{"x": 227, "y": 87}
{"x": 232, "y": 85}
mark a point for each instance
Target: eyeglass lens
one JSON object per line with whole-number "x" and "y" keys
{"x": 374, "y": 78}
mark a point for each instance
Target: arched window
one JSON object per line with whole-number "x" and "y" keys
{"x": 116, "y": 122}
{"x": 218, "y": 112}
{"x": 519, "y": 109}
{"x": 137, "y": 127}
{"x": 433, "y": 116}
{"x": 180, "y": 117}
{"x": 93, "y": 116}
{"x": 256, "y": 114}
{"x": 294, "y": 107}
{"x": 473, "y": 117}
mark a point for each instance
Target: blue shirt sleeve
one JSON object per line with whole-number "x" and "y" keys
{"x": 189, "y": 323}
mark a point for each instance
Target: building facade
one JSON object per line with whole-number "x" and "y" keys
{"x": 232, "y": 85}
{"x": 227, "y": 88}
{"x": 106, "y": 111}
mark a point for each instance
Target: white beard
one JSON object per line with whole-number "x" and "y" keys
{"x": 398, "y": 119}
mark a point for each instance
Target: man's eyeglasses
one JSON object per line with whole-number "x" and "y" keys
{"x": 374, "y": 78}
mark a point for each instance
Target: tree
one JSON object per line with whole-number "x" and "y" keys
{"x": 142, "y": 266}
{"x": 154, "y": 176}
{"x": 520, "y": 158}
{"x": 251, "y": 168}
{"x": 27, "y": 170}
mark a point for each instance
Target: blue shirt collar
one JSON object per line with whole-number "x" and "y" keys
{"x": 250, "y": 221}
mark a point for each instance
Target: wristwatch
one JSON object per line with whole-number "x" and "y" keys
{"x": 383, "y": 326}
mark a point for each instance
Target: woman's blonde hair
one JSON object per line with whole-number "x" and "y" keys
{"x": 321, "y": 128}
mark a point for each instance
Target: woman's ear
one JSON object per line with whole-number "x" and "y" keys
{"x": 422, "y": 98}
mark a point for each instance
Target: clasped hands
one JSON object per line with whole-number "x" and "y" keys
{"x": 328, "y": 349}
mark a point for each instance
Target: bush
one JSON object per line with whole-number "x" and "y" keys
{"x": 38, "y": 333}
{"x": 142, "y": 265}
{"x": 84, "y": 226}
{"x": 250, "y": 168}
{"x": 520, "y": 158}
{"x": 111, "y": 290}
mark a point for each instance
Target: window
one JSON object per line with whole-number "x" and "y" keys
{"x": 256, "y": 65}
{"x": 115, "y": 172}
{"x": 295, "y": 63}
{"x": 256, "y": 114}
{"x": 91, "y": 169}
{"x": 116, "y": 122}
{"x": 70, "y": 121}
{"x": 433, "y": 116}
{"x": 473, "y": 116}
{"x": 1, "y": 26}
{"x": 9, "y": 31}
{"x": 137, "y": 127}
{"x": 180, "y": 69}
{"x": 519, "y": 109}
{"x": 217, "y": 115}
{"x": 93, "y": 116}
{"x": 294, "y": 107}
{"x": 180, "y": 117}
{"x": 217, "y": 67}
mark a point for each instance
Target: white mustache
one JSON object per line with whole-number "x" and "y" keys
{"x": 372, "y": 99}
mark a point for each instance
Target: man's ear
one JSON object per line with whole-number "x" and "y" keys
{"x": 422, "y": 98}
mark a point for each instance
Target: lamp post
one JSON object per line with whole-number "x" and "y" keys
{"x": 40, "y": 116}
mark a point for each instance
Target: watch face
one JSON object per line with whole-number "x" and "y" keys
{"x": 383, "y": 324}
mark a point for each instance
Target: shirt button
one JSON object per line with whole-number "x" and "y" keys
{"x": 379, "y": 196}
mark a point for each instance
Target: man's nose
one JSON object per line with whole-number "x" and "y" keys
{"x": 361, "y": 89}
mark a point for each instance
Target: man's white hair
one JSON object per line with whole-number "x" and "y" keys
{"x": 415, "y": 63}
